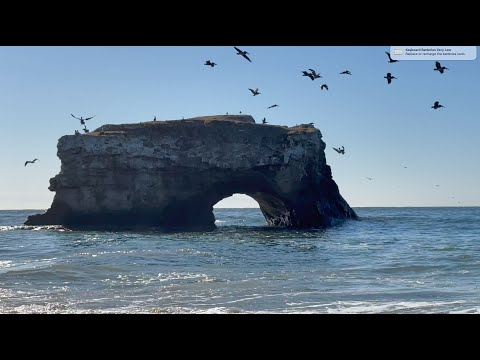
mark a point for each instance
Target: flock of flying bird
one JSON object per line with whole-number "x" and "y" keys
{"x": 313, "y": 75}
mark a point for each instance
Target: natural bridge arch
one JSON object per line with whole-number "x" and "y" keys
{"x": 172, "y": 173}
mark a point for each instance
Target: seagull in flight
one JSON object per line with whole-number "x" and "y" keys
{"x": 436, "y": 105}
{"x": 390, "y": 60}
{"x": 82, "y": 120}
{"x": 346, "y": 72}
{"x": 209, "y": 63}
{"x": 275, "y": 105}
{"x": 255, "y": 92}
{"x": 324, "y": 86}
{"x": 389, "y": 77}
{"x": 30, "y": 162}
{"x": 243, "y": 53}
{"x": 439, "y": 67}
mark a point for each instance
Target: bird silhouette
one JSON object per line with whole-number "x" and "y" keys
{"x": 389, "y": 77}
{"x": 390, "y": 60}
{"x": 264, "y": 121}
{"x": 340, "y": 150}
{"x": 209, "y": 63}
{"x": 346, "y": 72}
{"x": 275, "y": 105}
{"x": 324, "y": 86}
{"x": 306, "y": 73}
{"x": 436, "y": 105}
{"x": 368, "y": 178}
{"x": 85, "y": 130}
{"x": 439, "y": 67}
{"x": 255, "y": 92}
{"x": 30, "y": 162}
{"x": 243, "y": 53}
{"x": 82, "y": 120}
{"x": 314, "y": 74}
{"x": 154, "y": 118}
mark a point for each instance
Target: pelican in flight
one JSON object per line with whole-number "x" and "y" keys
{"x": 439, "y": 67}
{"x": 436, "y": 105}
{"x": 255, "y": 92}
{"x": 209, "y": 63}
{"x": 314, "y": 74}
{"x": 306, "y": 73}
{"x": 243, "y": 53}
{"x": 30, "y": 162}
{"x": 275, "y": 105}
{"x": 346, "y": 72}
{"x": 389, "y": 77}
{"x": 82, "y": 120}
{"x": 324, "y": 86}
{"x": 390, "y": 60}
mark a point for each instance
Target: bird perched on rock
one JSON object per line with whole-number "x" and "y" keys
{"x": 264, "y": 121}
{"x": 30, "y": 162}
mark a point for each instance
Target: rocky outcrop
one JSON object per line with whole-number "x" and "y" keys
{"x": 170, "y": 174}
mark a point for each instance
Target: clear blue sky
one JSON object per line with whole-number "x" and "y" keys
{"x": 383, "y": 127}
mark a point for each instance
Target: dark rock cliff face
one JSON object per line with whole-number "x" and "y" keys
{"x": 170, "y": 174}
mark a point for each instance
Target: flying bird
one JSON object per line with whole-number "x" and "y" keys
{"x": 209, "y": 63}
{"x": 390, "y": 60}
{"x": 340, "y": 150}
{"x": 436, "y": 105}
{"x": 306, "y": 73}
{"x": 82, "y": 120}
{"x": 389, "y": 77}
{"x": 324, "y": 86}
{"x": 314, "y": 74}
{"x": 255, "y": 92}
{"x": 275, "y": 105}
{"x": 437, "y": 185}
{"x": 439, "y": 67}
{"x": 243, "y": 53}
{"x": 346, "y": 72}
{"x": 368, "y": 178}
{"x": 30, "y": 162}
{"x": 264, "y": 121}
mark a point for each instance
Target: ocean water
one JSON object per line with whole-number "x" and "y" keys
{"x": 394, "y": 260}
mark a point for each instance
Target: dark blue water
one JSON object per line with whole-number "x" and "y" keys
{"x": 395, "y": 260}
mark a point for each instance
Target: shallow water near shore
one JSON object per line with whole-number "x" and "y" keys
{"x": 394, "y": 260}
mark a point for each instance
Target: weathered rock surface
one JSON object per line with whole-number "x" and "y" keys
{"x": 170, "y": 174}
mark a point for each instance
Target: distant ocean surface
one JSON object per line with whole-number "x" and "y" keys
{"x": 395, "y": 260}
